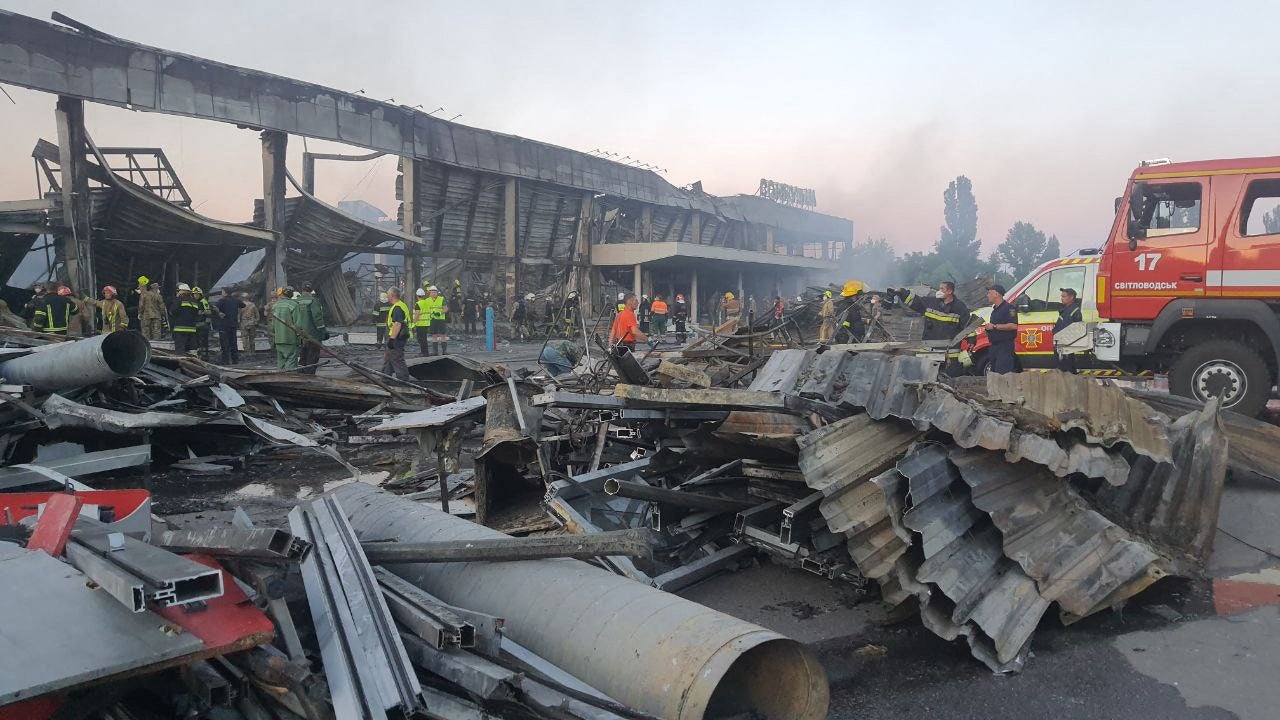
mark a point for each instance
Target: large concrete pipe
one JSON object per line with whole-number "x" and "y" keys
{"x": 66, "y": 365}
{"x": 651, "y": 650}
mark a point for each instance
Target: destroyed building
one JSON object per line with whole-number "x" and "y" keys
{"x": 496, "y": 210}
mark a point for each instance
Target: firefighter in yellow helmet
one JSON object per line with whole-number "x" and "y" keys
{"x": 732, "y": 308}
{"x": 827, "y": 313}
{"x": 850, "y": 327}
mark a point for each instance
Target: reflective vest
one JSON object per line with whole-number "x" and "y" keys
{"x": 187, "y": 316}
{"x": 398, "y": 304}
{"x": 52, "y": 321}
{"x": 434, "y": 308}
{"x": 424, "y": 313}
{"x": 659, "y": 307}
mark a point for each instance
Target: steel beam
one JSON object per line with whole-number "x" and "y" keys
{"x": 628, "y": 543}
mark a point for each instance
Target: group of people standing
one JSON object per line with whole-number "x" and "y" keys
{"x": 298, "y": 328}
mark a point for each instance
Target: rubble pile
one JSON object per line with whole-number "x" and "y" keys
{"x": 521, "y": 557}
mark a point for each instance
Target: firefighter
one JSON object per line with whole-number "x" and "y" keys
{"x": 248, "y": 326}
{"x": 850, "y": 327}
{"x": 184, "y": 317}
{"x": 114, "y": 316}
{"x": 206, "y": 316}
{"x": 36, "y": 301}
{"x": 380, "y": 310}
{"x": 151, "y": 310}
{"x": 680, "y": 313}
{"x": 285, "y": 310}
{"x": 945, "y": 314}
{"x": 470, "y": 314}
{"x": 643, "y": 312}
{"x": 454, "y": 304}
{"x": 1001, "y": 330}
{"x": 227, "y": 321}
{"x": 397, "y": 324}
{"x": 80, "y": 320}
{"x": 439, "y": 326}
{"x": 1068, "y": 314}
{"x": 54, "y": 313}
{"x": 827, "y": 313}
{"x": 570, "y": 313}
{"x": 422, "y": 322}
{"x": 311, "y": 313}
{"x": 732, "y": 308}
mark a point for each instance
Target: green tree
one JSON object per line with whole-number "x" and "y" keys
{"x": 1024, "y": 248}
{"x": 958, "y": 243}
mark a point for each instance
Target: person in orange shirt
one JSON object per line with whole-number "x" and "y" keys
{"x": 626, "y": 329}
{"x": 658, "y": 322}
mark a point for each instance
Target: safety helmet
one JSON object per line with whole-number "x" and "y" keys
{"x": 826, "y": 294}
{"x": 184, "y": 286}
{"x": 851, "y": 288}
{"x": 64, "y": 290}
{"x": 457, "y": 282}
{"x": 728, "y": 296}
{"x": 421, "y": 293}
{"x": 382, "y": 297}
{"x": 622, "y": 296}
{"x": 197, "y": 289}
{"x": 144, "y": 280}
{"x": 433, "y": 288}
{"x": 109, "y": 290}
{"x": 528, "y": 296}
{"x": 572, "y": 294}
{"x": 644, "y": 297}
{"x": 38, "y": 288}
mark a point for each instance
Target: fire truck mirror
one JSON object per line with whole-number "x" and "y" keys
{"x": 1137, "y": 226}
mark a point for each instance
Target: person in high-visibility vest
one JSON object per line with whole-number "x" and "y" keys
{"x": 658, "y": 319}
{"x": 397, "y": 320}
{"x": 54, "y": 313}
{"x": 114, "y": 316}
{"x": 380, "y": 310}
{"x": 422, "y": 321}
{"x": 184, "y": 317}
{"x": 439, "y": 327}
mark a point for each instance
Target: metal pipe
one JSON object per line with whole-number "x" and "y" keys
{"x": 677, "y": 498}
{"x": 650, "y": 650}
{"x": 67, "y": 365}
{"x": 629, "y": 543}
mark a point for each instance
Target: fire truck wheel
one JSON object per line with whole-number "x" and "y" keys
{"x": 1223, "y": 368}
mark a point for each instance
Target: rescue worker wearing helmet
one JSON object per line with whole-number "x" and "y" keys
{"x": 439, "y": 327}
{"x": 285, "y": 317}
{"x": 827, "y": 313}
{"x": 850, "y": 327}
{"x": 380, "y": 310}
{"x": 206, "y": 317}
{"x": 184, "y": 318}
{"x": 55, "y": 311}
{"x": 680, "y": 315}
{"x": 114, "y": 315}
{"x": 421, "y": 321}
{"x": 151, "y": 309}
{"x": 520, "y": 317}
{"x": 944, "y": 314}
{"x": 731, "y": 307}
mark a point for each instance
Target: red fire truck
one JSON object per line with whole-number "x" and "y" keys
{"x": 1187, "y": 283}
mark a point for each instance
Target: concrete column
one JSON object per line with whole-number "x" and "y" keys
{"x": 695, "y": 232}
{"x": 77, "y": 243}
{"x": 693, "y": 296}
{"x": 509, "y": 206}
{"x": 409, "y": 198}
{"x": 646, "y": 224}
{"x": 274, "y": 145}
{"x": 636, "y": 275}
{"x": 768, "y": 239}
{"x": 582, "y": 254}
{"x": 309, "y": 173}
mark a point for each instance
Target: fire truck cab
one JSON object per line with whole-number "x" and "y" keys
{"x": 1188, "y": 283}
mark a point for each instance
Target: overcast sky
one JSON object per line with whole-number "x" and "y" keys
{"x": 1046, "y": 107}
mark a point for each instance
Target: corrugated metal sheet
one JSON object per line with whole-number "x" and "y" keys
{"x": 1176, "y": 504}
{"x": 850, "y": 451}
{"x": 1078, "y": 558}
{"x": 884, "y": 385}
{"x": 1103, "y": 413}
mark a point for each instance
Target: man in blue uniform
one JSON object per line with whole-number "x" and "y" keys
{"x": 1001, "y": 331}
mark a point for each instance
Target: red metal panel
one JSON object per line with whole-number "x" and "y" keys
{"x": 226, "y": 623}
{"x": 54, "y": 526}
{"x": 16, "y": 506}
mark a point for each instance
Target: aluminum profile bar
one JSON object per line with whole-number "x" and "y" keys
{"x": 257, "y": 543}
{"x": 674, "y": 498}
{"x": 426, "y": 617}
{"x": 628, "y": 543}
{"x": 365, "y": 660}
{"x": 76, "y": 465}
{"x": 169, "y": 579}
{"x": 119, "y": 583}
{"x": 703, "y": 568}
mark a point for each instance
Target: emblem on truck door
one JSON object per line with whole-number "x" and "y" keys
{"x": 1032, "y": 338}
